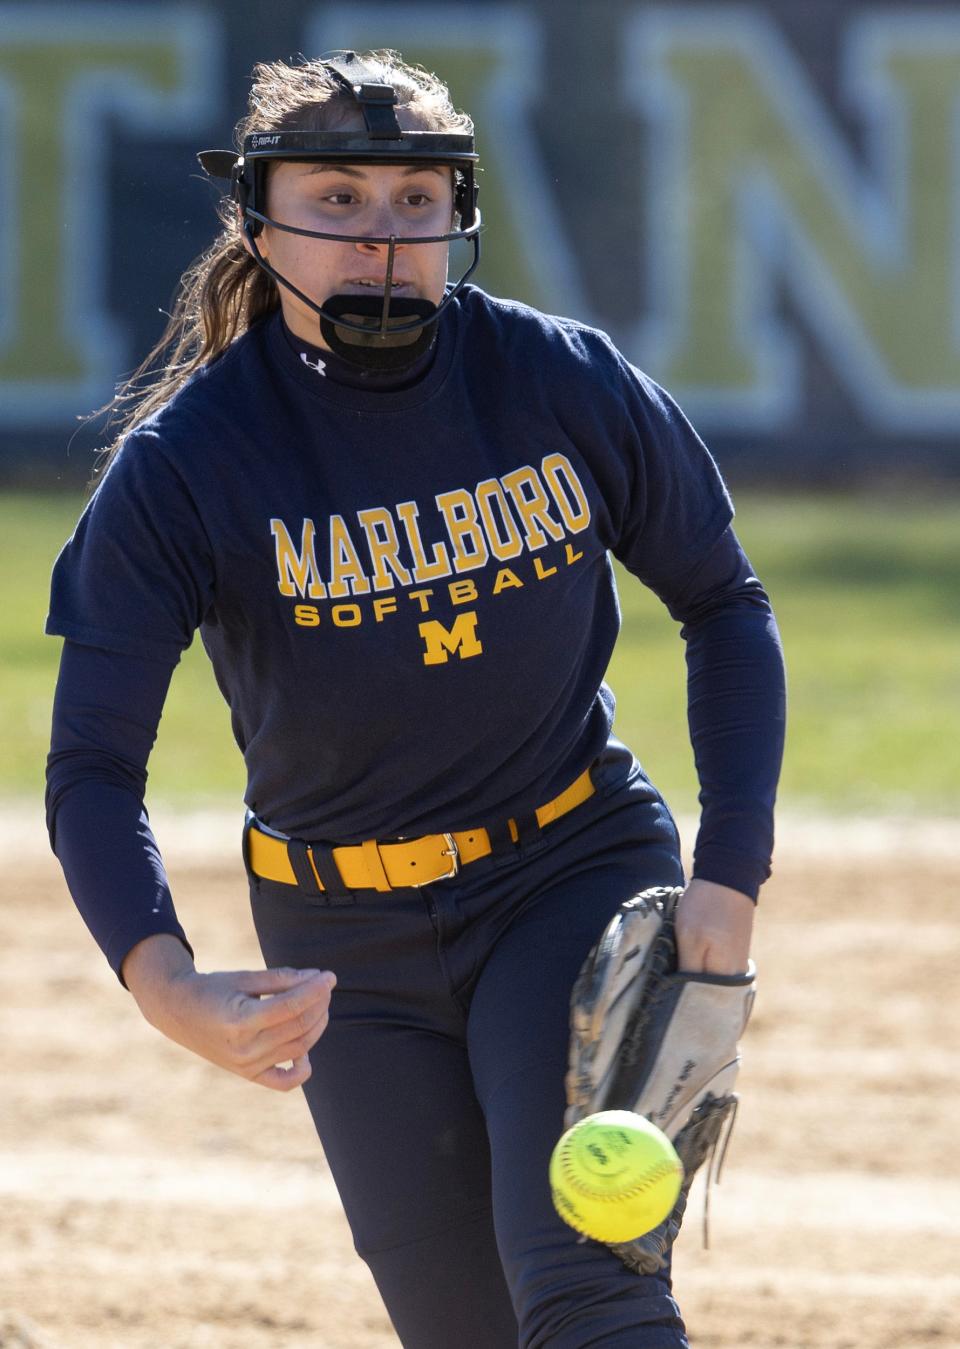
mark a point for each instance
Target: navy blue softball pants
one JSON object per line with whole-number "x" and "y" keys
{"x": 438, "y": 1086}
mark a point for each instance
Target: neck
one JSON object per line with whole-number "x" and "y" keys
{"x": 328, "y": 365}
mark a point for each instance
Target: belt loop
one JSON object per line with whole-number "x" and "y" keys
{"x": 299, "y": 855}
{"x": 334, "y": 889}
{"x": 501, "y": 838}
{"x": 528, "y": 830}
{"x": 248, "y": 824}
{"x": 375, "y": 871}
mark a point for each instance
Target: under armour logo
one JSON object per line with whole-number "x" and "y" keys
{"x": 318, "y": 365}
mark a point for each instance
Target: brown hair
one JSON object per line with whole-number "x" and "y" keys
{"x": 224, "y": 292}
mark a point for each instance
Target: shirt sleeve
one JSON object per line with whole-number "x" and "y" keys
{"x": 674, "y": 533}
{"x": 106, "y": 712}
{"x": 736, "y": 708}
{"x": 675, "y": 505}
{"x": 137, "y": 576}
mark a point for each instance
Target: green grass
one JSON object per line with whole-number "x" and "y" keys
{"x": 866, "y": 595}
{"x": 866, "y": 592}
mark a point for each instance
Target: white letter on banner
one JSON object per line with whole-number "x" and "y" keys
{"x": 490, "y": 55}
{"x": 754, "y": 187}
{"x": 64, "y": 69}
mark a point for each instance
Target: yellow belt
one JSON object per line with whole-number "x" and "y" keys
{"x": 417, "y": 861}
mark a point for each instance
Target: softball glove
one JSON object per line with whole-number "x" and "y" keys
{"x": 646, "y": 1037}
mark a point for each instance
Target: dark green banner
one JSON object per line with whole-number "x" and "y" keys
{"x": 759, "y": 202}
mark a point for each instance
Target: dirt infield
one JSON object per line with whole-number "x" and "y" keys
{"x": 149, "y": 1200}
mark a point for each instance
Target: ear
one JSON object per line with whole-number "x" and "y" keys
{"x": 262, "y": 244}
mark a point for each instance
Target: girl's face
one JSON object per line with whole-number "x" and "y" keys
{"x": 356, "y": 199}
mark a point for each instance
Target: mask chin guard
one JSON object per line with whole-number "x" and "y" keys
{"x": 371, "y": 342}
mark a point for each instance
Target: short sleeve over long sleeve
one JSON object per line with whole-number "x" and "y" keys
{"x": 676, "y": 506}
{"x": 137, "y": 574}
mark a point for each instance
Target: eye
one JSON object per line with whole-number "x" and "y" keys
{"x": 342, "y": 198}
{"x": 419, "y": 197}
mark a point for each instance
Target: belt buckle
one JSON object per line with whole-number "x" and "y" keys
{"x": 451, "y": 851}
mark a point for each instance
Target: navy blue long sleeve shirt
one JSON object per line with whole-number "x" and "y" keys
{"x": 407, "y": 599}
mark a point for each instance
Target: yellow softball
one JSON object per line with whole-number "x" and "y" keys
{"x": 614, "y": 1176}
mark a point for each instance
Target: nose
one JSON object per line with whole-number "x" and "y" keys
{"x": 374, "y": 250}
{"x": 381, "y": 224}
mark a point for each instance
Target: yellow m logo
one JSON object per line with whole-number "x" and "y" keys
{"x": 440, "y": 641}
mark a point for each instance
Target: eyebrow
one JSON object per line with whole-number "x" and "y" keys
{"x": 347, "y": 171}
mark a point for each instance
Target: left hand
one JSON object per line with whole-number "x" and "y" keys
{"x": 714, "y": 925}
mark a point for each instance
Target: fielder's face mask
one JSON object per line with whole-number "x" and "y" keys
{"x": 371, "y": 332}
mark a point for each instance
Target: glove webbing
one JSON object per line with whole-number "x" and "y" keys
{"x": 698, "y": 1139}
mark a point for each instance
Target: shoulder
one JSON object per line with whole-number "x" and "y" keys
{"x": 521, "y": 325}
{"x": 220, "y": 390}
{"x": 567, "y": 358}
{"x": 210, "y": 409}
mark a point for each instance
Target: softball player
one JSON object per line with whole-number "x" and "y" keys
{"x": 389, "y": 503}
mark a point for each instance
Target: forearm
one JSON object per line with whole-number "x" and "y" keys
{"x": 149, "y": 969}
{"x": 736, "y": 709}
{"x": 113, "y": 867}
{"x": 105, "y": 716}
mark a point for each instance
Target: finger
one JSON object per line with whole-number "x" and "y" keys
{"x": 280, "y": 1043}
{"x": 295, "y": 1005}
{"x": 260, "y": 983}
{"x": 285, "y": 1079}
